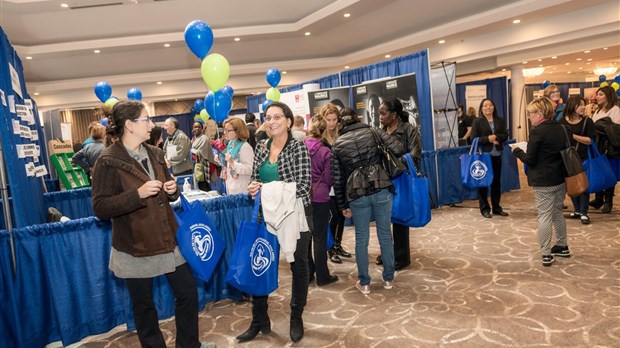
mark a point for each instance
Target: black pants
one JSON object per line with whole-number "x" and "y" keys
{"x": 186, "y": 309}
{"x": 336, "y": 222}
{"x": 299, "y": 294}
{"x": 496, "y": 188}
{"x": 320, "y": 218}
{"x": 402, "y": 251}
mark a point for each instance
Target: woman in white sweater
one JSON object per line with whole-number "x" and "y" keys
{"x": 239, "y": 156}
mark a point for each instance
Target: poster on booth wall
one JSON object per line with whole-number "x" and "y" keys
{"x": 474, "y": 94}
{"x": 338, "y": 96}
{"x": 368, "y": 96}
{"x": 298, "y": 100}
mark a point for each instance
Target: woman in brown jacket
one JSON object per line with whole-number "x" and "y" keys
{"x": 132, "y": 186}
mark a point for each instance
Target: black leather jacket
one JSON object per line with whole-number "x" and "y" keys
{"x": 411, "y": 139}
{"x": 356, "y": 163}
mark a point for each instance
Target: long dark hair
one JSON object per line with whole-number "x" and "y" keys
{"x": 572, "y": 103}
{"x": 394, "y": 105}
{"x": 480, "y": 114}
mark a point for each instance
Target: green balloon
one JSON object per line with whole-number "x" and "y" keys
{"x": 196, "y": 117}
{"x": 273, "y": 94}
{"x": 215, "y": 71}
{"x": 111, "y": 102}
{"x": 204, "y": 115}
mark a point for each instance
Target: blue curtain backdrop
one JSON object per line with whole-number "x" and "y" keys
{"x": 64, "y": 291}
{"x": 497, "y": 90}
{"x": 330, "y": 81}
{"x": 74, "y": 204}
{"x": 185, "y": 123}
{"x": 26, "y": 191}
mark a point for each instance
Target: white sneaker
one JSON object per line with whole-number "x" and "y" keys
{"x": 206, "y": 344}
{"x": 364, "y": 289}
{"x": 388, "y": 285}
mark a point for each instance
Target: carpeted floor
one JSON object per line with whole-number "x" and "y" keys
{"x": 473, "y": 282}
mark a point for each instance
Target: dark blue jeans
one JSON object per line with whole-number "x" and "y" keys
{"x": 581, "y": 203}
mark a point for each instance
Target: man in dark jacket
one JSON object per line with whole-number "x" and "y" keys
{"x": 250, "y": 121}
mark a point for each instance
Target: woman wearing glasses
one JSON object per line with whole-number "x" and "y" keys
{"x": 283, "y": 158}
{"x": 553, "y": 93}
{"x": 132, "y": 186}
{"x": 239, "y": 156}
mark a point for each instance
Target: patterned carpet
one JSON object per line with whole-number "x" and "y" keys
{"x": 473, "y": 282}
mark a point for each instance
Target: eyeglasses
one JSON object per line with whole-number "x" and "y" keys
{"x": 229, "y": 130}
{"x": 276, "y": 117}
{"x": 143, "y": 119}
{"x": 554, "y": 92}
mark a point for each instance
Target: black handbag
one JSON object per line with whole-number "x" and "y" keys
{"x": 392, "y": 165}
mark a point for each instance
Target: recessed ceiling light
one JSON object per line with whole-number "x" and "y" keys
{"x": 442, "y": 41}
{"x": 307, "y": 33}
{"x": 97, "y": 51}
{"x": 28, "y": 57}
{"x": 64, "y": 5}
{"x": 540, "y": 65}
{"x": 589, "y": 59}
{"x": 566, "y": 63}
{"x": 159, "y": 82}
{"x": 578, "y": 59}
{"x": 504, "y": 69}
{"x": 540, "y": 60}
{"x": 284, "y": 73}
{"x": 346, "y": 66}
{"x": 524, "y": 62}
{"x": 554, "y": 57}
{"x": 568, "y": 72}
{"x": 347, "y": 15}
{"x": 605, "y": 48}
{"x": 237, "y": 39}
{"x": 588, "y": 63}
{"x": 580, "y": 68}
{"x": 387, "y": 56}
{"x": 516, "y": 21}
{"x": 167, "y": 45}
{"x": 36, "y": 93}
{"x": 586, "y": 51}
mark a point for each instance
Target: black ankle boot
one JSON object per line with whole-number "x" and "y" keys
{"x": 297, "y": 328}
{"x": 260, "y": 320}
{"x": 254, "y": 329}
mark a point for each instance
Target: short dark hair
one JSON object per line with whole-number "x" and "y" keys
{"x": 250, "y": 117}
{"x": 174, "y": 121}
{"x": 123, "y": 110}
{"x": 287, "y": 111}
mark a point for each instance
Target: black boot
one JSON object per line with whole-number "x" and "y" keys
{"x": 260, "y": 320}
{"x": 340, "y": 251}
{"x": 609, "y": 201}
{"x": 597, "y": 202}
{"x": 297, "y": 328}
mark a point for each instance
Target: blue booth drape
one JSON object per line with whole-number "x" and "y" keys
{"x": 497, "y": 90}
{"x": 74, "y": 204}
{"x": 64, "y": 291}
{"x": 186, "y": 121}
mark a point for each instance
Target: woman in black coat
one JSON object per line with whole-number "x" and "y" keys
{"x": 490, "y": 129}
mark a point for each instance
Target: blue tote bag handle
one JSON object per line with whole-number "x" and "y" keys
{"x": 256, "y": 209}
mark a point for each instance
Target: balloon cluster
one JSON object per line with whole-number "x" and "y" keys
{"x": 214, "y": 69}
{"x": 615, "y": 84}
{"x": 273, "y": 77}
{"x": 103, "y": 91}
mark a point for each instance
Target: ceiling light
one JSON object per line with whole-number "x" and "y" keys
{"x": 540, "y": 65}
{"x": 36, "y": 93}
{"x": 524, "y": 62}
{"x": 284, "y": 73}
{"x": 504, "y": 69}
{"x": 28, "y": 57}
{"x": 347, "y": 15}
{"x": 64, "y": 5}
{"x": 237, "y": 39}
{"x": 97, "y": 51}
{"x": 580, "y": 68}
{"x": 307, "y": 33}
{"x": 516, "y": 21}
{"x": 566, "y": 63}
{"x": 578, "y": 59}
{"x": 532, "y": 72}
{"x": 589, "y": 59}
{"x": 442, "y": 41}
{"x": 159, "y": 82}
{"x": 609, "y": 70}
{"x": 588, "y": 63}
{"x": 587, "y": 51}
{"x": 167, "y": 45}
{"x": 387, "y": 56}
{"x": 605, "y": 48}
{"x": 346, "y": 66}
{"x": 540, "y": 60}
{"x": 568, "y": 72}
{"x": 554, "y": 57}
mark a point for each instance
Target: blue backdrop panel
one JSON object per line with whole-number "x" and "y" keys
{"x": 74, "y": 204}
{"x": 64, "y": 290}
{"x": 497, "y": 90}
{"x": 185, "y": 123}
{"x": 428, "y": 167}
{"x": 26, "y": 191}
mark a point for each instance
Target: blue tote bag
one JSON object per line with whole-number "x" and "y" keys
{"x": 254, "y": 261}
{"x": 476, "y": 169}
{"x": 330, "y": 237}
{"x": 598, "y": 170}
{"x": 411, "y": 205}
{"x": 199, "y": 242}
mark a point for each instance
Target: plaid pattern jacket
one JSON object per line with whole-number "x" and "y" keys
{"x": 293, "y": 165}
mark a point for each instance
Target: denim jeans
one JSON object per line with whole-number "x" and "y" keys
{"x": 581, "y": 203}
{"x": 379, "y": 206}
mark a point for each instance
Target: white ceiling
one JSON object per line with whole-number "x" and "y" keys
{"x": 131, "y": 34}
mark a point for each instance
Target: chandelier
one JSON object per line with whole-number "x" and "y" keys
{"x": 605, "y": 71}
{"x": 533, "y": 72}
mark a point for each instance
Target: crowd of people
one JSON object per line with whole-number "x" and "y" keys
{"x": 334, "y": 161}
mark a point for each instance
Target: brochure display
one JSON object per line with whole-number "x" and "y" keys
{"x": 71, "y": 177}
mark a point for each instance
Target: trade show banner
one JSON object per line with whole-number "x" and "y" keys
{"x": 474, "y": 94}
{"x": 367, "y": 98}
{"x": 338, "y": 96}
{"x": 298, "y": 100}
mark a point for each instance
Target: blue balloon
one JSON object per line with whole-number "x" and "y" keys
{"x": 199, "y": 104}
{"x": 228, "y": 90}
{"x": 273, "y": 77}
{"x": 210, "y": 103}
{"x": 199, "y": 38}
{"x": 104, "y": 121}
{"x": 266, "y": 104}
{"x": 617, "y": 79}
{"x": 134, "y": 94}
{"x": 223, "y": 103}
{"x": 602, "y": 78}
{"x": 103, "y": 91}
{"x": 546, "y": 83}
